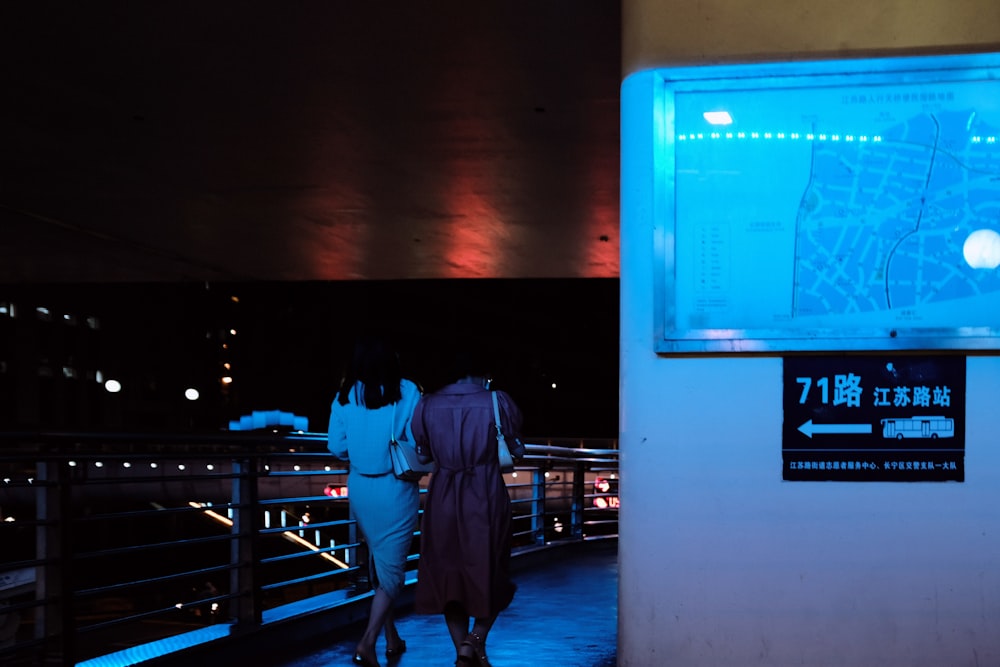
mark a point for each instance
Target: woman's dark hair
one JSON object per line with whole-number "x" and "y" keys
{"x": 471, "y": 358}
{"x": 376, "y": 366}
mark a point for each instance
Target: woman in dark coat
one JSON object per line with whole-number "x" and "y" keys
{"x": 464, "y": 568}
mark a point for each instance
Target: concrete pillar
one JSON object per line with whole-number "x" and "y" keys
{"x": 721, "y": 562}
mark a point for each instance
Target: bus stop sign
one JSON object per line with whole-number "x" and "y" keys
{"x": 883, "y": 418}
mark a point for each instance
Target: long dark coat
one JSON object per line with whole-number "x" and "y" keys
{"x": 466, "y": 532}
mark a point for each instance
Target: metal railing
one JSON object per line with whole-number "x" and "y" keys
{"x": 150, "y": 544}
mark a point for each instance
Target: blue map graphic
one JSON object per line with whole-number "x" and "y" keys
{"x": 882, "y": 222}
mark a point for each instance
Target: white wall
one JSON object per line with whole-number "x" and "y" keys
{"x": 724, "y": 564}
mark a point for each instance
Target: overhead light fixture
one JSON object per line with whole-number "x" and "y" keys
{"x": 718, "y": 117}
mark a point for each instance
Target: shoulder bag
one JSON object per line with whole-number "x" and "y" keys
{"x": 503, "y": 451}
{"x": 405, "y": 463}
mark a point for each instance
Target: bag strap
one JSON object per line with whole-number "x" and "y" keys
{"x": 392, "y": 426}
{"x": 496, "y": 414}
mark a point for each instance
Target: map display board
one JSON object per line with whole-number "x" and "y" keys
{"x": 832, "y": 205}
{"x": 891, "y": 418}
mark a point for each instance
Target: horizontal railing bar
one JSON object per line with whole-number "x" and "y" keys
{"x": 562, "y": 448}
{"x": 318, "y": 551}
{"x": 594, "y": 538}
{"x": 156, "y": 479}
{"x": 602, "y": 522}
{"x": 233, "y": 439}
{"x": 24, "y": 564}
{"x": 314, "y": 577}
{"x": 305, "y": 553}
{"x": 18, "y": 606}
{"x": 142, "y": 548}
{"x": 35, "y": 484}
{"x": 164, "y": 479}
{"x": 87, "y": 592}
{"x": 240, "y": 440}
{"x": 298, "y": 499}
{"x": 35, "y": 523}
{"x": 300, "y": 473}
{"x": 114, "y": 622}
{"x": 156, "y": 511}
{"x": 563, "y": 453}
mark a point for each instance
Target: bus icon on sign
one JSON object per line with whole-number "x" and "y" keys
{"x": 918, "y": 427}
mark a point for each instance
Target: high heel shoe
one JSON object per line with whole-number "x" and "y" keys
{"x": 473, "y": 651}
{"x": 362, "y": 661}
{"x": 396, "y": 652}
{"x": 467, "y": 656}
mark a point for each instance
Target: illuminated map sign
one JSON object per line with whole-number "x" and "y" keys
{"x": 830, "y": 205}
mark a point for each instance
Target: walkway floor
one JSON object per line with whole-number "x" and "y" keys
{"x": 565, "y": 613}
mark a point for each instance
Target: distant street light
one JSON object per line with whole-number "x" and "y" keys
{"x": 191, "y": 394}
{"x": 113, "y": 386}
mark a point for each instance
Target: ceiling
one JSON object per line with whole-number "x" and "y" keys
{"x": 335, "y": 140}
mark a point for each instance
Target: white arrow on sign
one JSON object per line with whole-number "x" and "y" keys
{"x": 809, "y": 428}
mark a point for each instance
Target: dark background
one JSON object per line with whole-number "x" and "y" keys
{"x": 291, "y": 345}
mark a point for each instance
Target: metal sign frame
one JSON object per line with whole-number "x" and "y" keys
{"x": 971, "y": 326}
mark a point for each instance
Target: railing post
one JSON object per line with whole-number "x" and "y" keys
{"x": 244, "y": 551}
{"x": 53, "y": 579}
{"x": 538, "y": 505}
{"x": 576, "y": 514}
